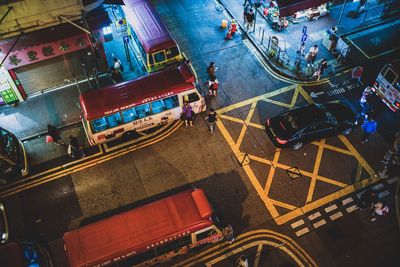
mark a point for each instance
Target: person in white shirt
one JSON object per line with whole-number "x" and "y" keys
{"x": 118, "y": 64}
{"x": 312, "y": 54}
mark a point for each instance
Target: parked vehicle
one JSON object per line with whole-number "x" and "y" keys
{"x": 387, "y": 85}
{"x": 308, "y": 123}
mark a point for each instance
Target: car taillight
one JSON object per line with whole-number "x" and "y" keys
{"x": 397, "y": 104}
{"x": 280, "y": 141}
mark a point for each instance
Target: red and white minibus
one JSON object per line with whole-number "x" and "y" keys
{"x": 137, "y": 105}
{"x": 387, "y": 85}
{"x": 147, "y": 235}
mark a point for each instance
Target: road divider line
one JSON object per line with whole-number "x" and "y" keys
{"x": 352, "y": 208}
{"x": 317, "y": 164}
{"x": 244, "y": 127}
{"x": 330, "y": 208}
{"x": 302, "y": 232}
{"x": 314, "y": 216}
{"x": 336, "y": 215}
{"x": 297, "y": 224}
{"x": 258, "y": 254}
{"x": 319, "y": 223}
{"x": 282, "y": 204}
{"x": 347, "y": 201}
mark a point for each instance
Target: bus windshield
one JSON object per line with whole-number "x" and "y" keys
{"x": 12, "y": 155}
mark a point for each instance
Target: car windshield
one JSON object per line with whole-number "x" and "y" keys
{"x": 330, "y": 118}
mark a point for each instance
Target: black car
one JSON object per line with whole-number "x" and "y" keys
{"x": 308, "y": 123}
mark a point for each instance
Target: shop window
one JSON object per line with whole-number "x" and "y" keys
{"x": 129, "y": 115}
{"x": 99, "y": 125}
{"x": 114, "y": 120}
{"x": 157, "y": 106}
{"x": 142, "y": 110}
{"x": 172, "y": 52}
{"x": 150, "y": 59}
{"x": 193, "y": 97}
{"x": 171, "y": 102}
{"x": 159, "y": 57}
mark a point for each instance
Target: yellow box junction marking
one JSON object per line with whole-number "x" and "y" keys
{"x": 263, "y": 190}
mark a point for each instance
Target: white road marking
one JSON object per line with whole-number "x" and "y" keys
{"x": 352, "y": 208}
{"x": 314, "y": 216}
{"x": 377, "y": 187}
{"x": 319, "y": 223}
{"x": 383, "y": 194}
{"x": 302, "y": 231}
{"x": 392, "y": 180}
{"x": 336, "y": 215}
{"x": 330, "y": 208}
{"x": 347, "y": 201}
{"x": 297, "y": 224}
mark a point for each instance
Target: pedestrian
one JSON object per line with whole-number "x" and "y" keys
{"x": 360, "y": 7}
{"x": 231, "y": 30}
{"x": 367, "y": 199}
{"x": 321, "y": 69}
{"x": 116, "y": 75}
{"x": 246, "y": 10}
{"x": 242, "y": 261}
{"x": 356, "y": 73}
{"x": 369, "y": 127}
{"x": 380, "y": 209}
{"x": 211, "y": 119}
{"x": 211, "y": 69}
{"x": 302, "y": 49}
{"x": 228, "y": 233}
{"x": 249, "y": 19}
{"x": 118, "y": 65}
{"x": 74, "y": 149}
{"x": 213, "y": 86}
{"x": 311, "y": 55}
{"x": 187, "y": 114}
{"x": 54, "y": 135}
{"x": 365, "y": 101}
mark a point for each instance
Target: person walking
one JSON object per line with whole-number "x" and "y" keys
{"x": 213, "y": 86}
{"x": 369, "y": 127}
{"x": 246, "y": 10}
{"x": 302, "y": 49}
{"x": 211, "y": 119}
{"x": 360, "y": 7}
{"x": 380, "y": 209}
{"x": 228, "y": 233}
{"x": 188, "y": 114}
{"x": 356, "y": 73}
{"x": 211, "y": 69}
{"x": 116, "y": 75}
{"x": 249, "y": 19}
{"x": 118, "y": 64}
{"x": 321, "y": 69}
{"x": 311, "y": 55}
{"x": 54, "y": 134}
{"x": 365, "y": 101}
{"x": 242, "y": 261}
{"x": 74, "y": 149}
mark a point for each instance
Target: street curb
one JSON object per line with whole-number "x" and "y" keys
{"x": 33, "y": 136}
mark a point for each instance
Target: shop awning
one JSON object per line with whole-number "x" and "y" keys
{"x": 289, "y": 7}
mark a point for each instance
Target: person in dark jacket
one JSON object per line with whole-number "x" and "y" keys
{"x": 74, "y": 149}
{"x": 54, "y": 133}
{"x": 116, "y": 75}
{"x": 211, "y": 119}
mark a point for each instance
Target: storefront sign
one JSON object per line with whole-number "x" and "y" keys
{"x": 9, "y": 93}
{"x": 41, "y": 52}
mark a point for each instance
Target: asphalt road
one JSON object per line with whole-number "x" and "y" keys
{"x": 244, "y": 175}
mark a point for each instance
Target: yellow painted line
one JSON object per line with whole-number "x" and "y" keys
{"x": 258, "y": 254}
{"x": 244, "y": 128}
{"x": 257, "y": 98}
{"x": 358, "y": 171}
{"x": 277, "y": 103}
{"x": 306, "y": 96}
{"x": 86, "y": 164}
{"x": 325, "y": 200}
{"x": 357, "y": 155}
{"x": 282, "y": 204}
{"x": 245, "y": 238}
{"x": 255, "y": 125}
{"x": 294, "y": 98}
{"x": 271, "y": 171}
{"x": 315, "y": 171}
{"x": 337, "y": 149}
{"x": 229, "y": 118}
{"x": 247, "y": 169}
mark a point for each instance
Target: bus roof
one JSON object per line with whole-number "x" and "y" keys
{"x": 105, "y": 101}
{"x": 148, "y": 26}
{"x": 139, "y": 229}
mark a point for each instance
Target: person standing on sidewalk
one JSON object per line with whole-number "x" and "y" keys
{"x": 74, "y": 149}
{"x": 187, "y": 114}
{"x": 228, "y": 233}
{"x": 380, "y": 209}
{"x": 118, "y": 64}
{"x": 312, "y": 54}
{"x": 211, "y": 69}
{"x": 249, "y": 19}
{"x": 245, "y": 12}
{"x": 213, "y": 86}
{"x": 321, "y": 69}
{"x": 211, "y": 119}
{"x": 369, "y": 127}
{"x": 54, "y": 133}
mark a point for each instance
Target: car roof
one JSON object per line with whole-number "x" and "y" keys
{"x": 306, "y": 115}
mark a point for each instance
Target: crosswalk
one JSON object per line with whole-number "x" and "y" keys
{"x": 339, "y": 208}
